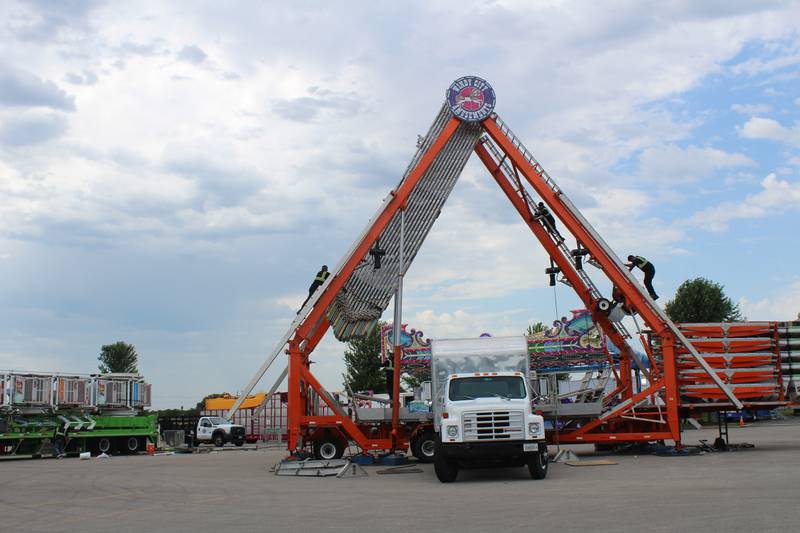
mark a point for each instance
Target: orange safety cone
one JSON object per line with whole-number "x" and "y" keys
{"x": 741, "y": 421}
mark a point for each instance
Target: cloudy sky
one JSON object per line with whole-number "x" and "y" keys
{"x": 172, "y": 175}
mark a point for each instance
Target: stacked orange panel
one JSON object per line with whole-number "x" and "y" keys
{"x": 745, "y": 355}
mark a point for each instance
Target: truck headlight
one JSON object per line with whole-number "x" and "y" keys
{"x": 452, "y": 431}
{"x": 534, "y": 428}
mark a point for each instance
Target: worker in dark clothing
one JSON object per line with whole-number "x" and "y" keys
{"x": 649, "y": 272}
{"x": 319, "y": 279}
{"x": 549, "y": 221}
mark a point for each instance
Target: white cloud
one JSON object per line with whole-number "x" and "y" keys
{"x": 776, "y": 196}
{"x": 783, "y": 305}
{"x": 461, "y": 323}
{"x": 755, "y": 66}
{"x": 192, "y": 53}
{"x": 671, "y": 164}
{"x": 751, "y": 109}
{"x": 770, "y": 129}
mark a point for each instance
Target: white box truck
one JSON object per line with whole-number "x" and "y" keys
{"x": 482, "y": 408}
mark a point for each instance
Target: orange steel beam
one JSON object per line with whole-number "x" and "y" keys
{"x": 621, "y": 409}
{"x": 583, "y": 292}
{"x": 633, "y": 297}
{"x": 299, "y": 375}
{"x": 294, "y": 409}
{"x": 566, "y": 266}
{"x": 672, "y": 398}
{"x": 620, "y": 437}
{"x": 400, "y": 196}
{"x": 632, "y": 294}
{"x": 348, "y": 425}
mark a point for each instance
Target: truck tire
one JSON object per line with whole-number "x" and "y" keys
{"x": 537, "y": 465}
{"x": 239, "y": 443}
{"x": 131, "y": 445}
{"x": 103, "y": 445}
{"x": 446, "y": 469}
{"x": 423, "y": 446}
{"x": 328, "y": 447}
{"x": 219, "y": 439}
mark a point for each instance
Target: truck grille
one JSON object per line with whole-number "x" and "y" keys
{"x": 493, "y": 425}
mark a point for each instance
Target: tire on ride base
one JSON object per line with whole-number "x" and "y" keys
{"x": 446, "y": 469}
{"x": 329, "y": 447}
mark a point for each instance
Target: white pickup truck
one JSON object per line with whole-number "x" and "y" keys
{"x": 483, "y": 411}
{"x": 203, "y": 429}
{"x": 219, "y": 431}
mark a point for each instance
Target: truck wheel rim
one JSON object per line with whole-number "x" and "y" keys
{"x": 133, "y": 444}
{"x": 427, "y": 448}
{"x": 327, "y": 450}
{"x": 104, "y": 445}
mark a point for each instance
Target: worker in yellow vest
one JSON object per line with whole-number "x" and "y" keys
{"x": 649, "y": 272}
{"x": 319, "y": 279}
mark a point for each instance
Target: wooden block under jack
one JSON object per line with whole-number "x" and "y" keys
{"x": 592, "y": 462}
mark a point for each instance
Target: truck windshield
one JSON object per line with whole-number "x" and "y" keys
{"x": 218, "y": 420}
{"x": 511, "y": 387}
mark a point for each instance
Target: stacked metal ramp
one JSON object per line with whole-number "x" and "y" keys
{"x": 752, "y": 358}
{"x": 369, "y": 289}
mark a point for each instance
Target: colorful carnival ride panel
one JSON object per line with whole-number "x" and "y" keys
{"x": 570, "y": 345}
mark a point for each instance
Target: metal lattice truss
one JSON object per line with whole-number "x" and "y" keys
{"x": 369, "y": 289}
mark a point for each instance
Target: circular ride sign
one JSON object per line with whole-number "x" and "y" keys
{"x": 471, "y": 98}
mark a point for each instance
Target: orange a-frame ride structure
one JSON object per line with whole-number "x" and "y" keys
{"x": 680, "y": 379}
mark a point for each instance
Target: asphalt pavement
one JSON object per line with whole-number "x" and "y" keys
{"x": 748, "y": 490}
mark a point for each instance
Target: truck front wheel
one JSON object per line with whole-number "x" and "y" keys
{"x": 219, "y": 440}
{"x": 446, "y": 469}
{"x": 537, "y": 465}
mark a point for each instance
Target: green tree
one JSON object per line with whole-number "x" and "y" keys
{"x": 702, "y": 300}
{"x": 413, "y": 380}
{"x": 202, "y": 403}
{"x": 533, "y": 329}
{"x": 362, "y": 361}
{"x": 118, "y": 357}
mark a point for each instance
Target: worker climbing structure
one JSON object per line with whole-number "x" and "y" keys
{"x": 687, "y": 368}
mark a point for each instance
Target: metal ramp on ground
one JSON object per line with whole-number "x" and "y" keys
{"x": 341, "y": 468}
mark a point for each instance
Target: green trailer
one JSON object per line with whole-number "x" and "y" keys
{"x": 38, "y": 434}
{"x": 51, "y": 413}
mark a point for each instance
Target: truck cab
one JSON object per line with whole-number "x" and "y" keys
{"x": 485, "y": 417}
